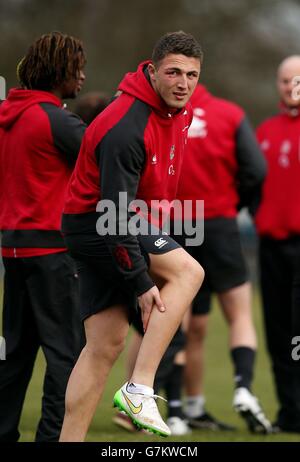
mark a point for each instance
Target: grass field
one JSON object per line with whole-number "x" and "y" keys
{"x": 218, "y": 386}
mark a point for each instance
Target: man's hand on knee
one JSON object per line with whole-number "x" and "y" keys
{"x": 147, "y": 301}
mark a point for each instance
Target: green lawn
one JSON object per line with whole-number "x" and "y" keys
{"x": 218, "y": 386}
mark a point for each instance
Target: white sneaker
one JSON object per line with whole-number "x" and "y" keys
{"x": 142, "y": 409}
{"x": 248, "y": 407}
{"x": 178, "y": 426}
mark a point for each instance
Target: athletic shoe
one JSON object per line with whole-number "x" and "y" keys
{"x": 285, "y": 428}
{"x": 122, "y": 420}
{"x": 178, "y": 426}
{"x": 208, "y": 422}
{"x": 142, "y": 410}
{"x": 276, "y": 428}
{"x": 248, "y": 407}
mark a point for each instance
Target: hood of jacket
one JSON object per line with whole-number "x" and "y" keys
{"x": 137, "y": 85}
{"x": 19, "y": 100}
{"x": 202, "y": 95}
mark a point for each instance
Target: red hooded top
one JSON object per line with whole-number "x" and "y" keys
{"x": 223, "y": 162}
{"x": 135, "y": 146}
{"x": 279, "y": 212}
{"x": 39, "y": 142}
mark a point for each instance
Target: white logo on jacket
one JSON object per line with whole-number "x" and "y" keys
{"x": 171, "y": 170}
{"x": 285, "y": 149}
{"x": 172, "y": 152}
{"x": 198, "y": 128}
{"x": 154, "y": 159}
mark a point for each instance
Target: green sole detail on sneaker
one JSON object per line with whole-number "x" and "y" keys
{"x": 117, "y": 402}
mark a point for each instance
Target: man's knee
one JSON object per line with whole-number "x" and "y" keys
{"x": 197, "y": 329}
{"x": 189, "y": 270}
{"x": 177, "y": 267}
{"x": 184, "y": 266}
{"x": 106, "y": 350}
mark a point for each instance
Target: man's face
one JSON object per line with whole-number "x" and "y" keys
{"x": 72, "y": 87}
{"x": 174, "y": 79}
{"x": 289, "y": 69}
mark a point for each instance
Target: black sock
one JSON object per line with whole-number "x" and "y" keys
{"x": 243, "y": 359}
{"x": 173, "y": 391}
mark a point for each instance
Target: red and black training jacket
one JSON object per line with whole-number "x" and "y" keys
{"x": 135, "y": 145}
{"x": 39, "y": 144}
{"x": 223, "y": 165}
{"x": 278, "y": 216}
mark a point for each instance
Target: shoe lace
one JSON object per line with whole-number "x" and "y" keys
{"x": 159, "y": 397}
{"x": 152, "y": 404}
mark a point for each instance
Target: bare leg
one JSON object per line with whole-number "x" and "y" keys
{"x": 236, "y": 305}
{"x": 105, "y": 335}
{"x": 194, "y": 370}
{"x": 133, "y": 349}
{"x": 183, "y": 277}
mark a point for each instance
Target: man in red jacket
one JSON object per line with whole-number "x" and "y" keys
{"x": 278, "y": 225}
{"x": 224, "y": 167}
{"x": 39, "y": 143}
{"x": 133, "y": 150}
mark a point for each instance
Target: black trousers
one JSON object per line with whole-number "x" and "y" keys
{"x": 279, "y": 267}
{"x": 40, "y": 309}
{"x": 296, "y": 300}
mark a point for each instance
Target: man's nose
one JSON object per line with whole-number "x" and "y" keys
{"x": 182, "y": 82}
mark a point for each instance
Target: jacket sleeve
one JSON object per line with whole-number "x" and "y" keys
{"x": 251, "y": 167}
{"x": 67, "y": 131}
{"x": 121, "y": 158}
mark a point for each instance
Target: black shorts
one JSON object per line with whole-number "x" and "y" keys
{"x": 100, "y": 283}
{"x": 221, "y": 257}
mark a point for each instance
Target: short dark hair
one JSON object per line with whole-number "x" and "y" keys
{"x": 51, "y": 60}
{"x": 178, "y": 43}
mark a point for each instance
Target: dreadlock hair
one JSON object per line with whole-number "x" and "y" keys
{"x": 51, "y": 60}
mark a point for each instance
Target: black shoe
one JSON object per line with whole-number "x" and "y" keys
{"x": 208, "y": 422}
{"x": 285, "y": 428}
{"x": 247, "y": 405}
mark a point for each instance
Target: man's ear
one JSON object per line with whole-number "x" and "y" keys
{"x": 151, "y": 70}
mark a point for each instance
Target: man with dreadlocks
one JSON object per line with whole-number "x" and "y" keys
{"x": 39, "y": 143}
